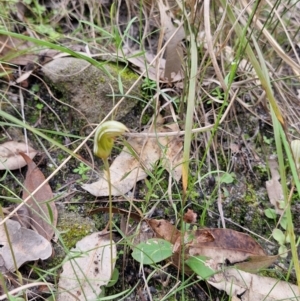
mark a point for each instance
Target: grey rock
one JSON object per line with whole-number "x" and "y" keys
{"x": 89, "y": 89}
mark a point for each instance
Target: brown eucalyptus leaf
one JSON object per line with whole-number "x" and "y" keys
{"x": 87, "y": 268}
{"x": 42, "y": 209}
{"x": 10, "y": 157}
{"x": 27, "y": 245}
{"x": 227, "y": 244}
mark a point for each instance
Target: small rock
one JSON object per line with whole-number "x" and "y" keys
{"x": 87, "y": 88}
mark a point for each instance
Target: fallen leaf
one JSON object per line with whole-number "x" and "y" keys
{"x": 136, "y": 161}
{"x": 274, "y": 187}
{"x": 15, "y": 50}
{"x": 27, "y": 245}
{"x": 141, "y": 62}
{"x": 42, "y": 209}
{"x": 174, "y": 52}
{"x": 251, "y": 287}
{"x": 227, "y": 244}
{"x": 10, "y": 157}
{"x": 87, "y": 268}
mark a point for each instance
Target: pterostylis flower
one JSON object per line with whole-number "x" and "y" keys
{"x": 103, "y": 144}
{"x": 105, "y": 137}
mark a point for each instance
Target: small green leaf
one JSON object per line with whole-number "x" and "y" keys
{"x": 282, "y": 251}
{"x": 199, "y": 265}
{"x": 270, "y": 213}
{"x": 227, "y": 178}
{"x": 279, "y": 236}
{"x": 114, "y": 278}
{"x": 283, "y": 222}
{"x": 152, "y": 251}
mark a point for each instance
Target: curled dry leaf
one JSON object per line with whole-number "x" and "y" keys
{"x": 87, "y": 268}
{"x": 134, "y": 162}
{"x": 10, "y": 157}
{"x": 41, "y": 207}
{"x": 27, "y": 245}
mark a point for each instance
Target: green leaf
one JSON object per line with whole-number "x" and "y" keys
{"x": 270, "y": 213}
{"x": 283, "y": 251}
{"x": 227, "y": 178}
{"x": 199, "y": 265}
{"x": 114, "y": 278}
{"x": 152, "y": 251}
{"x": 279, "y": 236}
{"x": 283, "y": 222}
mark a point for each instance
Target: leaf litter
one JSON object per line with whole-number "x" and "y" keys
{"x": 226, "y": 258}
{"x": 38, "y": 213}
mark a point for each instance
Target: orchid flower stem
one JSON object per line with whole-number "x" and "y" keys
{"x": 106, "y": 167}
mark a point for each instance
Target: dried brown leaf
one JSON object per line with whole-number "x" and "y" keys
{"x": 10, "y": 157}
{"x": 227, "y": 244}
{"x": 27, "y": 245}
{"x": 42, "y": 210}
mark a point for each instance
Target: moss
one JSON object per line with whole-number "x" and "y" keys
{"x": 127, "y": 74}
{"x": 73, "y": 227}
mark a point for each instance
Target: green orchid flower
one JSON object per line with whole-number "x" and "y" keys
{"x": 105, "y": 137}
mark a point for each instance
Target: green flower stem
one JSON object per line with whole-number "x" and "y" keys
{"x": 103, "y": 144}
{"x": 106, "y": 167}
